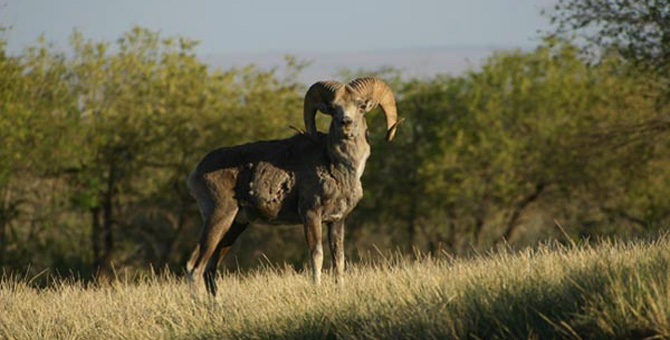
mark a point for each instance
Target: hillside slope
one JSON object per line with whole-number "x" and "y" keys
{"x": 612, "y": 290}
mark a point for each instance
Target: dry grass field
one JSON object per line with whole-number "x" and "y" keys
{"x": 612, "y": 290}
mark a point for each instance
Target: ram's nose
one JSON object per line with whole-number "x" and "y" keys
{"x": 347, "y": 121}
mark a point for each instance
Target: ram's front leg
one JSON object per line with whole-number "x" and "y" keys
{"x": 336, "y": 239}
{"x": 313, "y": 235}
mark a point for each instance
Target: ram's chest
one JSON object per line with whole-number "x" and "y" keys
{"x": 340, "y": 199}
{"x": 342, "y": 187}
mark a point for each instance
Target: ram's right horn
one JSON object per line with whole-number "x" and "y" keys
{"x": 379, "y": 93}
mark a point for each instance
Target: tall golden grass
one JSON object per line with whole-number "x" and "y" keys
{"x": 612, "y": 290}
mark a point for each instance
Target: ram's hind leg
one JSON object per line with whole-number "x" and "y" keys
{"x": 217, "y": 222}
{"x": 220, "y": 253}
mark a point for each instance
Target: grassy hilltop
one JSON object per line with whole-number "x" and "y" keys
{"x": 608, "y": 291}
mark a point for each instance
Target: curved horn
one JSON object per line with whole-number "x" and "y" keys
{"x": 318, "y": 97}
{"x": 378, "y": 93}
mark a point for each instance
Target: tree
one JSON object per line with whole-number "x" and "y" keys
{"x": 481, "y": 154}
{"x": 639, "y": 33}
{"x": 638, "y": 30}
{"x": 152, "y": 110}
{"x": 37, "y": 120}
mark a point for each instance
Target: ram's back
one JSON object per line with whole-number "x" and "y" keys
{"x": 265, "y": 175}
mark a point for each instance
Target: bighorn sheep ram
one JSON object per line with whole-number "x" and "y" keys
{"x": 308, "y": 179}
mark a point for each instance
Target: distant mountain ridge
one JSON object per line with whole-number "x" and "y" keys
{"x": 413, "y": 62}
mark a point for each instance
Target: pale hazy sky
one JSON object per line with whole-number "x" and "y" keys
{"x": 244, "y": 26}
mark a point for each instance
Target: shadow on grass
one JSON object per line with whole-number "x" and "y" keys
{"x": 583, "y": 303}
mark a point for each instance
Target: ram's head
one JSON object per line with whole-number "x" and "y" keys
{"x": 347, "y": 104}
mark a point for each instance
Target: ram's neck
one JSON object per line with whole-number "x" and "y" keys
{"x": 349, "y": 155}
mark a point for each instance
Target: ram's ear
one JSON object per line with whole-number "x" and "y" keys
{"x": 369, "y": 105}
